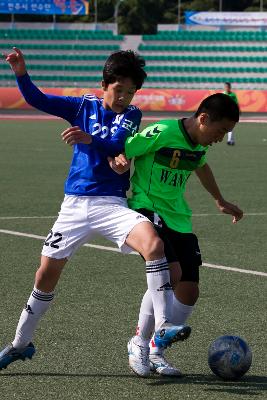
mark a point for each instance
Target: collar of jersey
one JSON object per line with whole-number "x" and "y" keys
{"x": 106, "y": 109}
{"x": 185, "y": 133}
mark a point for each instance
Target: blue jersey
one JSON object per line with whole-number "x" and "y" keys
{"x": 90, "y": 173}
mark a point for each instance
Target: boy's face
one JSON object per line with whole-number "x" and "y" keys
{"x": 213, "y": 131}
{"x": 118, "y": 95}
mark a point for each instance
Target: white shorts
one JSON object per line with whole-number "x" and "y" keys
{"x": 81, "y": 218}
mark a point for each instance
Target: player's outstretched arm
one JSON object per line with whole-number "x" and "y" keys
{"x": 65, "y": 107}
{"x": 16, "y": 62}
{"x": 208, "y": 181}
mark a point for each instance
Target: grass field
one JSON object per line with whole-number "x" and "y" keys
{"x": 81, "y": 342}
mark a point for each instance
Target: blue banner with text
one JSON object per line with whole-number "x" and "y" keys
{"x": 69, "y": 7}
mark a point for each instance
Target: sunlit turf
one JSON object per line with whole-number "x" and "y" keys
{"x": 81, "y": 342}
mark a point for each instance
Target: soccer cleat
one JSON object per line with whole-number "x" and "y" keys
{"x": 161, "y": 366}
{"x": 10, "y": 354}
{"x": 139, "y": 358}
{"x": 169, "y": 334}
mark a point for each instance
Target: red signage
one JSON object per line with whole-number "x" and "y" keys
{"x": 148, "y": 99}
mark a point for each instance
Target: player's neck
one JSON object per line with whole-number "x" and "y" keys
{"x": 190, "y": 126}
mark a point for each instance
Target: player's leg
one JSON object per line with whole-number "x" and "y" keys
{"x": 157, "y": 299}
{"x": 186, "y": 289}
{"x": 185, "y": 296}
{"x": 145, "y": 327}
{"x": 46, "y": 279}
{"x": 144, "y": 239}
{"x": 66, "y": 236}
{"x": 150, "y": 243}
{"x": 185, "y": 248}
{"x": 138, "y": 345}
{"x": 186, "y": 293}
{"x": 38, "y": 303}
{"x": 133, "y": 231}
{"x": 130, "y": 229}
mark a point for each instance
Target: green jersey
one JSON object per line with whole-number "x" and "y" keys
{"x": 165, "y": 156}
{"x": 232, "y": 95}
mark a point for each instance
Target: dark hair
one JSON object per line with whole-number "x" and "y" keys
{"x": 127, "y": 64}
{"x": 219, "y": 106}
{"x": 228, "y": 84}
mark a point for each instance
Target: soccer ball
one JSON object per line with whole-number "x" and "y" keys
{"x": 229, "y": 357}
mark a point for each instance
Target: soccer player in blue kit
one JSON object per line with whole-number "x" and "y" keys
{"x": 95, "y": 200}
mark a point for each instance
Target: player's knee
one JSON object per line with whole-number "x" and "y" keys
{"x": 43, "y": 275}
{"x": 194, "y": 295}
{"x": 153, "y": 248}
{"x": 47, "y": 275}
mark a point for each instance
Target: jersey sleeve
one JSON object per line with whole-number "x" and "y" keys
{"x": 235, "y": 98}
{"x": 149, "y": 140}
{"x": 128, "y": 126}
{"x": 60, "y": 106}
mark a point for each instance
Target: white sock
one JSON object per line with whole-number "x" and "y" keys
{"x": 36, "y": 306}
{"x": 158, "y": 283}
{"x": 181, "y": 312}
{"x": 146, "y": 321}
{"x": 140, "y": 341}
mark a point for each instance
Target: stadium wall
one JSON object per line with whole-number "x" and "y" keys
{"x": 148, "y": 99}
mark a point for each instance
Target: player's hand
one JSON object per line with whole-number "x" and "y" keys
{"x": 229, "y": 208}
{"x": 119, "y": 164}
{"x": 16, "y": 61}
{"x": 74, "y": 135}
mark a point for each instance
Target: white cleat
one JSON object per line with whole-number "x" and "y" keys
{"x": 139, "y": 358}
{"x": 161, "y": 366}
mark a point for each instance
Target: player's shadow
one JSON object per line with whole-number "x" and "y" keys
{"x": 247, "y": 385}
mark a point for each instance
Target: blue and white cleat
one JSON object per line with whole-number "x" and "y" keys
{"x": 10, "y": 354}
{"x": 169, "y": 334}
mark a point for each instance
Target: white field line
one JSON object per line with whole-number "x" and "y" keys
{"x": 220, "y": 214}
{"x": 193, "y": 215}
{"x": 214, "y": 266}
{"x": 33, "y": 217}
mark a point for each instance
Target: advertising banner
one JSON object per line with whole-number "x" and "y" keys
{"x": 148, "y": 99}
{"x": 189, "y": 100}
{"x": 75, "y": 7}
{"x": 226, "y": 18}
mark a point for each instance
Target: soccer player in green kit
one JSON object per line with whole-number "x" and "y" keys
{"x": 228, "y": 91}
{"x": 166, "y": 153}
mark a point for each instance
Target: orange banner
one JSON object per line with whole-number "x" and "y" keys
{"x": 148, "y": 99}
